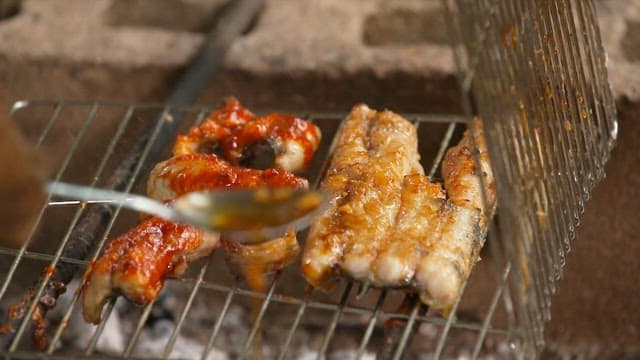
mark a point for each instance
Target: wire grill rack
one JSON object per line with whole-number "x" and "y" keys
{"x": 94, "y": 137}
{"x": 535, "y": 72}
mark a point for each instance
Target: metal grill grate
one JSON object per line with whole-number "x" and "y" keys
{"x": 101, "y": 133}
{"x": 535, "y": 72}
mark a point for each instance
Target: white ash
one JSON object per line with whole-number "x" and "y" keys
{"x": 234, "y": 328}
{"x": 350, "y": 354}
{"x": 153, "y": 341}
{"x": 304, "y": 353}
{"x": 78, "y": 332}
{"x": 428, "y": 330}
{"x": 118, "y": 329}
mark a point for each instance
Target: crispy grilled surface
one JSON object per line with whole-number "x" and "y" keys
{"x": 328, "y": 235}
{"x": 387, "y": 223}
{"x": 418, "y": 225}
{"x": 444, "y": 269}
{"x": 375, "y": 150}
{"x": 374, "y": 198}
{"x": 461, "y": 177}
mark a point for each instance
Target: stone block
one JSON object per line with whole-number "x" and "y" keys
{"x": 69, "y": 49}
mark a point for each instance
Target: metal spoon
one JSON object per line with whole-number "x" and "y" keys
{"x": 243, "y": 215}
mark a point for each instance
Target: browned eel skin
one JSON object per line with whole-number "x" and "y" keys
{"x": 387, "y": 224}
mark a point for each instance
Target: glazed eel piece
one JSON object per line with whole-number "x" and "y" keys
{"x": 137, "y": 263}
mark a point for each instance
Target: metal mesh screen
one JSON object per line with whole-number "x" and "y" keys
{"x": 535, "y": 72}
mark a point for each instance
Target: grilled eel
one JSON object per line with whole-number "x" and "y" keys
{"x": 137, "y": 263}
{"x": 387, "y": 224}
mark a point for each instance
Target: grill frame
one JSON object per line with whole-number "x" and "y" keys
{"x": 402, "y": 335}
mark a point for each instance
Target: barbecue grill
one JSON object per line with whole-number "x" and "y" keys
{"x": 535, "y": 73}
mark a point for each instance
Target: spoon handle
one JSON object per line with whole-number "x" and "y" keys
{"x": 130, "y": 201}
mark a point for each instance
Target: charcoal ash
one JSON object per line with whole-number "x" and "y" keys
{"x": 154, "y": 339}
{"x": 120, "y": 325}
